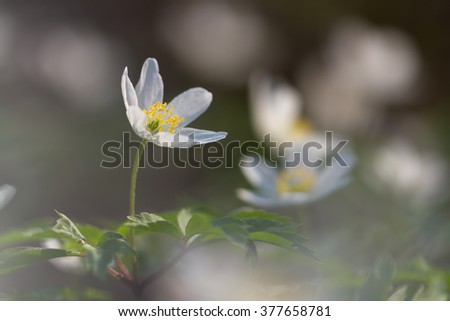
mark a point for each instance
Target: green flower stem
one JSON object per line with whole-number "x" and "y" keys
{"x": 134, "y": 173}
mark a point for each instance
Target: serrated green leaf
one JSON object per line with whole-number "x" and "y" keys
{"x": 236, "y": 234}
{"x": 379, "y": 282}
{"x": 295, "y": 238}
{"x": 271, "y": 238}
{"x": 227, "y": 220}
{"x": 263, "y": 221}
{"x": 200, "y": 224}
{"x": 183, "y": 218}
{"x": 26, "y": 235}
{"x": 154, "y": 223}
{"x": 65, "y": 226}
{"x": 249, "y": 225}
{"x": 250, "y": 214}
{"x": 16, "y": 258}
{"x": 108, "y": 235}
{"x": 110, "y": 245}
{"x": 92, "y": 234}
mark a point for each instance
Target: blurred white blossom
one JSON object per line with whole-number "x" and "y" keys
{"x": 218, "y": 41}
{"x": 7, "y": 192}
{"x": 365, "y": 68}
{"x": 293, "y": 186}
{"x": 77, "y": 64}
{"x": 277, "y": 108}
{"x": 405, "y": 171}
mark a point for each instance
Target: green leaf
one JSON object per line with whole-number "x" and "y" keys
{"x": 295, "y": 238}
{"x": 200, "y": 224}
{"x": 26, "y": 235}
{"x": 110, "y": 245}
{"x": 92, "y": 234}
{"x": 183, "y": 218}
{"x": 65, "y": 226}
{"x": 250, "y": 225}
{"x": 16, "y": 258}
{"x": 251, "y": 214}
{"x": 265, "y": 220}
{"x": 379, "y": 282}
{"x": 236, "y": 234}
{"x": 272, "y": 239}
{"x": 259, "y": 221}
{"x": 289, "y": 241}
{"x": 154, "y": 223}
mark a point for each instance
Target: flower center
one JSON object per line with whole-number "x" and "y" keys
{"x": 301, "y": 127}
{"x": 160, "y": 118}
{"x": 295, "y": 180}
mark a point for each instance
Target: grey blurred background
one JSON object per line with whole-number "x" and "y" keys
{"x": 60, "y": 100}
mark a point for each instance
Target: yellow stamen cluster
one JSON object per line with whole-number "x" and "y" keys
{"x": 301, "y": 127}
{"x": 160, "y": 118}
{"x": 295, "y": 180}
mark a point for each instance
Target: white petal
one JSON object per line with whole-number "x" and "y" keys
{"x": 150, "y": 87}
{"x": 276, "y": 106}
{"x": 331, "y": 178}
{"x": 295, "y": 199}
{"x": 335, "y": 172}
{"x": 191, "y": 104}
{"x": 255, "y": 199}
{"x": 201, "y": 136}
{"x": 325, "y": 190}
{"x": 137, "y": 120}
{"x": 259, "y": 200}
{"x": 188, "y": 137}
{"x": 166, "y": 139}
{"x": 128, "y": 93}
{"x": 7, "y": 192}
{"x": 261, "y": 176}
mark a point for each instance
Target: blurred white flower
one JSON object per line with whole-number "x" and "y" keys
{"x": 406, "y": 172}
{"x": 276, "y": 108}
{"x": 7, "y": 192}
{"x": 219, "y": 41}
{"x": 162, "y": 123}
{"x": 69, "y": 264}
{"x": 293, "y": 186}
{"x": 382, "y": 62}
{"x": 77, "y": 64}
{"x": 365, "y": 68}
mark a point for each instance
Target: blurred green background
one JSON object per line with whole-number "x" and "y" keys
{"x": 60, "y": 100}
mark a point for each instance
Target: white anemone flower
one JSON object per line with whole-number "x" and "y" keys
{"x": 275, "y": 107}
{"x": 7, "y": 192}
{"x": 165, "y": 123}
{"x": 293, "y": 186}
